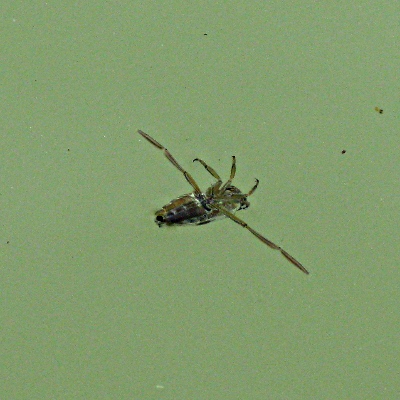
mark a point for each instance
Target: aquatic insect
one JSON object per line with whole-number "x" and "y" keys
{"x": 219, "y": 201}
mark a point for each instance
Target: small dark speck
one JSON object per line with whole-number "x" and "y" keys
{"x": 8, "y": 241}
{"x": 205, "y": 34}
{"x": 67, "y": 149}
{"x": 379, "y": 110}
{"x": 343, "y": 151}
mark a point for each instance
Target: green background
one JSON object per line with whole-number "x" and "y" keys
{"x": 97, "y": 302}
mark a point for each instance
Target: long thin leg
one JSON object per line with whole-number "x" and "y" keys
{"x": 262, "y": 238}
{"x": 253, "y": 189}
{"x": 233, "y": 172}
{"x": 167, "y": 154}
{"x": 209, "y": 169}
{"x": 241, "y": 195}
{"x": 214, "y": 187}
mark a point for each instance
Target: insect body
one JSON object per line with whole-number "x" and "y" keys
{"x": 219, "y": 201}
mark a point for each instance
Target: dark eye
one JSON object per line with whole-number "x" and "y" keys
{"x": 244, "y": 204}
{"x": 160, "y": 218}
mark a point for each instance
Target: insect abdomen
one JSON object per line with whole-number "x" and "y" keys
{"x": 181, "y": 211}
